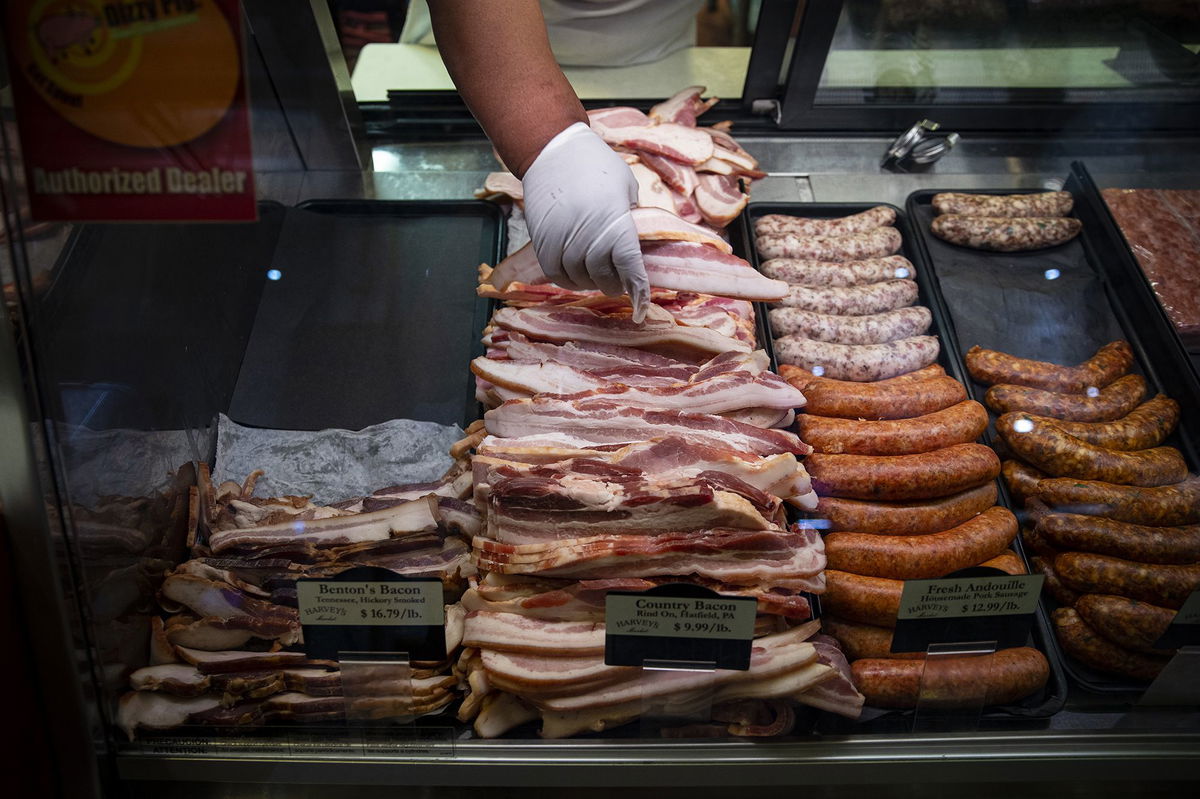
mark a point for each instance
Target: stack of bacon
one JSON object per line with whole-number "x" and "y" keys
{"x": 227, "y": 649}
{"x": 688, "y": 171}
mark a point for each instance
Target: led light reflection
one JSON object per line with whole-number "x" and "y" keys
{"x": 1023, "y": 425}
{"x": 274, "y": 274}
{"x": 818, "y": 370}
{"x": 1052, "y": 274}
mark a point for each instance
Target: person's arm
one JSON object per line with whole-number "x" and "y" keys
{"x": 499, "y": 57}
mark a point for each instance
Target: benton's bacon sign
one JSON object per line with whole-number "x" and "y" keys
{"x": 132, "y": 109}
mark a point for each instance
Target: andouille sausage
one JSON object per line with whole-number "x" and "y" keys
{"x": 1112, "y": 402}
{"x": 873, "y": 298}
{"x": 1005, "y": 676}
{"x": 1005, "y": 234}
{"x": 1045, "y": 445}
{"x": 1085, "y": 645}
{"x": 1146, "y": 426}
{"x": 916, "y": 557}
{"x": 959, "y": 424}
{"x": 803, "y": 378}
{"x": 1164, "y": 506}
{"x": 1136, "y": 542}
{"x": 839, "y": 274}
{"x": 869, "y": 600}
{"x": 860, "y": 640}
{"x": 881, "y": 399}
{"x": 1049, "y": 203}
{"x": 991, "y": 367}
{"x": 1021, "y": 479}
{"x": 1053, "y": 586}
{"x": 1035, "y": 540}
{"x": 926, "y": 475}
{"x": 874, "y": 243}
{"x": 1126, "y": 622}
{"x": 1007, "y": 561}
{"x": 777, "y": 224}
{"x": 905, "y": 518}
{"x": 877, "y": 328}
{"x": 859, "y": 362}
{"x": 1159, "y": 584}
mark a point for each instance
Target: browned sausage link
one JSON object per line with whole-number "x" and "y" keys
{"x": 1007, "y": 562}
{"x": 1035, "y": 510}
{"x": 991, "y": 367}
{"x": 1146, "y": 426}
{"x": 1112, "y": 402}
{"x": 1164, "y": 506}
{"x": 1141, "y": 543}
{"x": 926, "y": 475}
{"x": 869, "y": 600}
{"x": 1021, "y": 479}
{"x": 905, "y": 518}
{"x": 1158, "y": 584}
{"x": 803, "y": 379}
{"x": 958, "y": 424}
{"x": 1049, "y": 203}
{"x": 1005, "y": 676}
{"x": 864, "y": 640}
{"x": 1083, "y": 643}
{"x": 916, "y": 557}
{"x": 1056, "y": 453}
{"x": 874, "y": 401}
{"x": 1126, "y": 622}
{"x": 1054, "y": 586}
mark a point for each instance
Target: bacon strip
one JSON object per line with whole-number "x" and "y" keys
{"x": 684, "y": 265}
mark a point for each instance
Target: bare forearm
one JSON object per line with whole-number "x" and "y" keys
{"x": 499, "y": 58}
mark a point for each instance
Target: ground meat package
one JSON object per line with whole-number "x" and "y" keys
{"x": 1162, "y": 228}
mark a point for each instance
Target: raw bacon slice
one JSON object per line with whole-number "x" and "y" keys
{"x": 683, "y": 107}
{"x": 687, "y": 266}
{"x": 720, "y": 199}
{"x": 652, "y": 192}
{"x": 655, "y": 224}
{"x": 677, "y": 142}
{"x": 508, "y": 632}
{"x": 233, "y": 661}
{"x": 520, "y": 267}
{"x": 503, "y": 183}
{"x": 596, "y": 356}
{"x": 680, "y": 178}
{"x": 154, "y": 711}
{"x": 602, "y": 119}
{"x": 212, "y": 598}
{"x": 171, "y": 678}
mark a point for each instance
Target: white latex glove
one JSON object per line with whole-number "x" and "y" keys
{"x": 578, "y": 193}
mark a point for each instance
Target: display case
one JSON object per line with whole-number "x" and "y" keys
{"x": 207, "y": 425}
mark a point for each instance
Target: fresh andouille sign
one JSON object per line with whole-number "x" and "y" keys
{"x": 973, "y": 605}
{"x": 132, "y": 109}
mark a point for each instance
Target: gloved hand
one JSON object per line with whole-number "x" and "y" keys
{"x": 578, "y": 193}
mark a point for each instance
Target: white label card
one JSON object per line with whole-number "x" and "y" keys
{"x": 384, "y": 604}
{"x": 960, "y": 597}
{"x": 680, "y": 617}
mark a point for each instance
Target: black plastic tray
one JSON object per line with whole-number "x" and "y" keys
{"x": 372, "y": 316}
{"x": 1053, "y": 696}
{"x": 1066, "y": 322}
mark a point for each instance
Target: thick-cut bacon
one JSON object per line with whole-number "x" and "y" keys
{"x": 655, "y": 224}
{"x": 507, "y": 632}
{"x": 596, "y": 356}
{"x": 680, "y": 143}
{"x": 503, "y": 183}
{"x": 154, "y": 711}
{"x": 687, "y": 266}
{"x": 212, "y": 598}
{"x": 682, "y": 107}
{"x": 232, "y": 661}
{"x": 720, "y": 199}
{"x": 520, "y": 267}
{"x": 602, "y": 119}
{"x": 214, "y": 633}
{"x": 652, "y": 192}
{"x": 681, "y": 178}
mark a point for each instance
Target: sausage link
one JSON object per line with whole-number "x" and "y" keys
{"x": 991, "y": 367}
{"x": 859, "y": 362}
{"x": 1112, "y": 402}
{"x": 839, "y": 274}
{"x": 1164, "y": 506}
{"x": 1164, "y": 585}
{"x": 1005, "y": 676}
{"x": 906, "y": 518}
{"x": 926, "y": 475}
{"x": 1021, "y": 479}
{"x": 1047, "y": 447}
{"x": 869, "y": 600}
{"x": 1007, "y": 562}
{"x": 864, "y": 640}
{"x": 1083, "y": 643}
{"x": 916, "y": 557}
{"x": 874, "y": 243}
{"x": 881, "y": 400}
{"x": 1005, "y": 234}
{"x": 1050, "y": 203}
{"x": 804, "y": 379}
{"x": 781, "y": 224}
{"x": 1146, "y": 426}
{"x": 1036, "y": 510}
{"x": 1053, "y": 586}
{"x": 959, "y": 424}
{"x": 874, "y": 298}
{"x": 1126, "y": 622}
{"x": 1136, "y": 542}
{"x": 878, "y": 328}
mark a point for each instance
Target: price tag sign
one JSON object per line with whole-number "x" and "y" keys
{"x": 678, "y": 623}
{"x": 371, "y": 609}
{"x": 1185, "y": 627}
{"x": 982, "y": 605}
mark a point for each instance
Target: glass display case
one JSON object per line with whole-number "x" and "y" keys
{"x": 234, "y": 450}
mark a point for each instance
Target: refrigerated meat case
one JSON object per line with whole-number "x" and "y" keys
{"x": 110, "y": 356}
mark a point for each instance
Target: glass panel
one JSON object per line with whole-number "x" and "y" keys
{"x": 995, "y": 51}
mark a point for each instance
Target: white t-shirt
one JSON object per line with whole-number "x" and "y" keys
{"x": 596, "y": 33}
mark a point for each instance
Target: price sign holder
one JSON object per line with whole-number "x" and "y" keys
{"x": 676, "y": 694}
{"x": 946, "y": 701}
{"x": 970, "y": 605}
{"x": 678, "y": 623}
{"x": 1176, "y": 685}
{"x": 369, "y": 609}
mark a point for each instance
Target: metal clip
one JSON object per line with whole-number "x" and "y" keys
{"x": 920, "y": 144}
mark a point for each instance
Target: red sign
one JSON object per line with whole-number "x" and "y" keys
{"x": 132, "y": 109}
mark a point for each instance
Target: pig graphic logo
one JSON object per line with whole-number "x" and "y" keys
{"x": 74, "y": 27}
